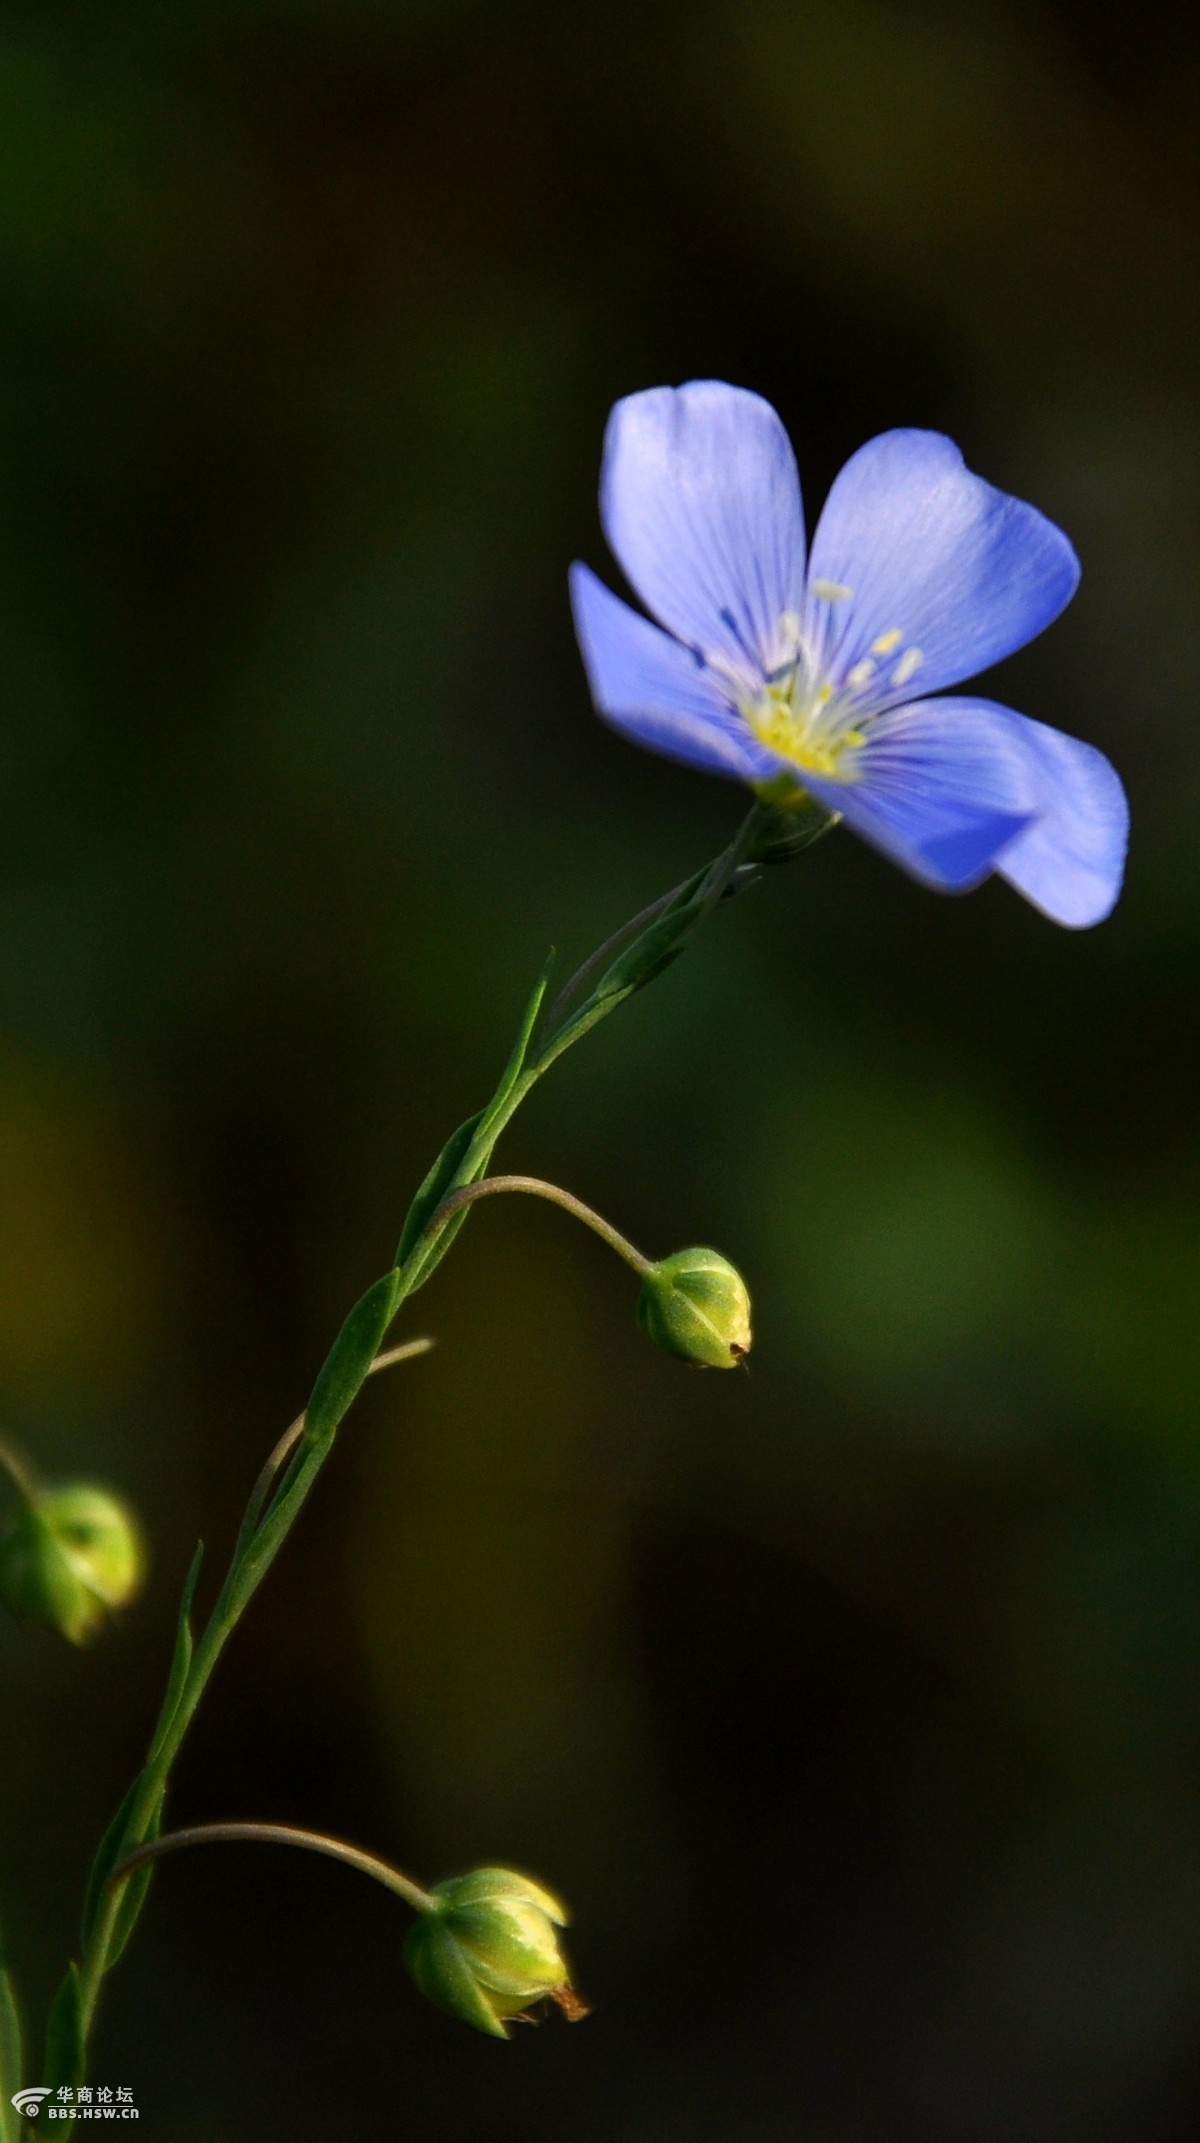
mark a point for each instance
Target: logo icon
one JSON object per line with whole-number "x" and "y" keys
{"x": 29, "y": 2102}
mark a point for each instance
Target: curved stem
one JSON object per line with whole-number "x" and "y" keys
{"x": 276, "y": 1834}
{"x": 291, "y": 1437}
{"x": 537, "y": 1189}
{"x": 255, "y": 1552}
{"x": 18, "y": 1473}
{"x": 661, "y": 932}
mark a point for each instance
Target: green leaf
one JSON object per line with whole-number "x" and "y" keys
{"x": 661, "y": 942}
{"x": 112, "y": 1847}
{"x": 120, "y": 1839}
{"x": 182, "y": 1660}
{"x": 449, "y": 1170}
{"x": 350, "y": 1357}
{"x": 133, "y": 1896}
{"x": 516, "y": 1063}
{"x": 11, "y": 2078}
{"x": 439, "y": 1180}
{"x": 66, "y": 2046}
{"x": 118, "y": 1842}
{"x": 640, "y": 958}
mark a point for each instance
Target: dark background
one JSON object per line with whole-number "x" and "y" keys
{"x": 854, "y": 1706}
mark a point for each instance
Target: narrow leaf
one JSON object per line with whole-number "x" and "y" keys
{"x": 114, "y": 1845}
{"x": 516, "y": 1063}
{"x": 656, "y": 946}
{"x": 11, "y": 2078}
{"x": 182, "y": 1660}
{"x": 66, "y": 2048}
{"x": 668, "y": 933}
{"x": 350, "y": 1357}
{"x": 133, "y": 1896}
{"x": 119, "y": 1840}
{"x": 638, "y": 963}
{"x": 449, "y": 1170}
{"x": 439, "y": 1180}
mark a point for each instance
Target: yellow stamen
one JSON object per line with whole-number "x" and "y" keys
{"x": 797, "y": 733}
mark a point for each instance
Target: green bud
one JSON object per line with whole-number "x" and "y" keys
{"x": 695, "y": 1304}
{"x": 71, "y": 1558}
{"x": 487, "y": 1947}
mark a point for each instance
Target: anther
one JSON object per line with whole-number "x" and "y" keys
{"x": 910, "y": 661}
{"x": 830, "y": 591}
{"x": 861, "y": 673}
{"x": 887, "y": 641}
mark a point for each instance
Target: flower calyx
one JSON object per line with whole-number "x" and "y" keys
{"x": 696, "y": 1305}
{"x": 487, "y": 1949}
{"x": 71, "y": 1559}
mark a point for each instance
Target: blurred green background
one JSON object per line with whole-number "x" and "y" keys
{"x": 854, "y": 1705}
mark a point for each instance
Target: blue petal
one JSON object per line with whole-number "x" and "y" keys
{"x": 954, "y": 788}
{"x": 701, "y": 504}
{"x": 936, "y": 561}
{"x": 943, "y": 787}
{"x": 656, "y": 692}
{"x": 1071, "y": 861}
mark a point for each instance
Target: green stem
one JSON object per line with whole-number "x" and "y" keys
{"x": 653, "y": 938}
{"x": 537, "y": 1189}
{"x": 624, "y": 964}
{"x": 276, "y": 1834}
{"x": 245, "y": 1575}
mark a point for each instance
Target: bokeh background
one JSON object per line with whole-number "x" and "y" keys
{"x": 854, "y": 1705}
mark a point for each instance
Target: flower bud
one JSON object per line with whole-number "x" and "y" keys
{"x": 695, "y": 1304}
{"x": 73, "y": 1556}
{"x": 487, "y": 1947}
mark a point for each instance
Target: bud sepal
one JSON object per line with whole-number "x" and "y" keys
{"x": 487, "y": 1948}
{"x": 72, "y": 1557}
{"x": 696, "y": 1305}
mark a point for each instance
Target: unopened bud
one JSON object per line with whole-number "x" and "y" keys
{"x": 487, "y": 1948}
{"x": 71, "y": 1558}
{"x": 695, "y": 1304}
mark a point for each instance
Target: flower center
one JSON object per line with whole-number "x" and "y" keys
{"x": 797, "y": 712}
{"x": 805, "y": 730}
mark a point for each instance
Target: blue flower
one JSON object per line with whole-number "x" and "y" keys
{"x": 817, "y": 680}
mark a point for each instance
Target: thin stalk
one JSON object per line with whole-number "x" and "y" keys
{"x": 469, "y": 1192}
{"x": 241, "y": 1583}
{"x": 311, "y": 1841}
{"x": 243, "y": 1578}
{"x": 274, "y": 1504}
